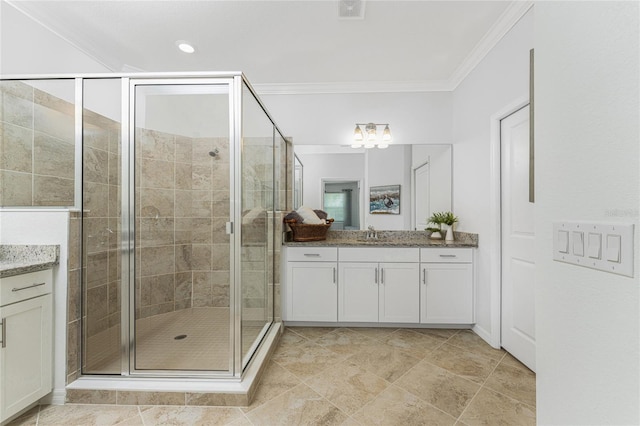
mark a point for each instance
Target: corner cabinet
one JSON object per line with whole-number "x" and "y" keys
{"x": 311, "y": 284}
{"x": 26, "y": 350}
{"x": 447, "y": 295}
{"x": 399, "y": 285}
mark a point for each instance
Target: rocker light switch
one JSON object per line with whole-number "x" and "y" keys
{"x": 613, "y": 248}
{"x": 594, "y": 245}
{"x": 563, "y": 241}
{"x": 578, "y": 243}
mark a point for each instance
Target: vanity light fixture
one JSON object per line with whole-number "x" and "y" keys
{"x": 185, "y": 46}
{"x": 371, "y": 132}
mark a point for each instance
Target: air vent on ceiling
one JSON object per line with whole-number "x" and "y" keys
{"x": 351, "y": 9}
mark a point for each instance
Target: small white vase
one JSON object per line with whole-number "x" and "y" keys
{"x": 449, "y": 235}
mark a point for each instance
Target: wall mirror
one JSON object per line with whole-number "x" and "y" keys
{"x": 338, "y": 178}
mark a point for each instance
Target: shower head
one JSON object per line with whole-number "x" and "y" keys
{"x": 214, "y": 153}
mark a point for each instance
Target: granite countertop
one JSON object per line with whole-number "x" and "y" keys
{"x": 388, "y": 239}
{"x": 22, "y": 259}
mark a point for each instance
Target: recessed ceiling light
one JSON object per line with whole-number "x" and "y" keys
{"x": 185, "y": 46}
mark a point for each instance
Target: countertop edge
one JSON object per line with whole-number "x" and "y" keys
{"x": 25, "y": 269}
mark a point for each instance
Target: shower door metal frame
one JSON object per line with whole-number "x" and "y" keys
{"x": 128, "y": 222}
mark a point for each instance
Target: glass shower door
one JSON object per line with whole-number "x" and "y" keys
{"x": 182, "y": 316}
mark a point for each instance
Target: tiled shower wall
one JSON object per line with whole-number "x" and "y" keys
{"x": 101, "y": 221}
{"x": 183, "y": 205}
{"x": 36, "y": 147}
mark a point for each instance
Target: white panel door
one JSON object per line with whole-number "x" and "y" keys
{"x": 399, "y": 297}
{"x": 358, "y": 292}
{"x": 421, "y": 196}
{"x": 312, "y": 291}
{"x": 518, "y": 267}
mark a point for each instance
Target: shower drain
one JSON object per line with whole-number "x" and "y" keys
{"x": 180, "y": 337}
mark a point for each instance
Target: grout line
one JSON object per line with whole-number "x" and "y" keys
{"x": 480, "y": 388}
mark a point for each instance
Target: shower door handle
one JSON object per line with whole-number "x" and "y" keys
{"x": 229, "y": 228}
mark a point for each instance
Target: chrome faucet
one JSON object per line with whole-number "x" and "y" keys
{"x": 371, "y": 232}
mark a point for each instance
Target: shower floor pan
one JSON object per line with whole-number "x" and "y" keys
{"x": 205, "y": 347}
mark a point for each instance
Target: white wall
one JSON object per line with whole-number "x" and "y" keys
{"x": 320, "y": 119}
{"x": 587, "y": 165}
{"x": 500, "y": 79}
{"x": 46, "y": 227}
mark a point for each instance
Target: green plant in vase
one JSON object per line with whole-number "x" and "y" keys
{"x": 439, "y": 219}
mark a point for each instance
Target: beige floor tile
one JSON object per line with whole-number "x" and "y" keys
{"x": 374, "y": 333}
{"x": 289, "y": 339}
{"x": 344, "y": 341}
{"x": 415, "y": 344}
{"x": 274, "y": 382}
{"x": 311, "y": 332}
{"x": 438, "y": 333}
{"x": 243, "y": 421}
{"x": 155, "y": 415}
{"x": 299, "y": 406}
{"x": 516, "y": 382}
{"x": 510, "y": 360}
{"x": 439, "y": 387}
{"x": 306, "y": 359}
{"x": 471, "y": 342}
{"x": 493, "y": 409}
{"x": 30, "y": 418}
{"x": 351, "y": 422}
{"x": 467, "y": 364}
{"x": 348, "y": 386}
{"x": 395, "y": 406}
{"x": 82, "y": 415}
{"x": 384, "y": 361}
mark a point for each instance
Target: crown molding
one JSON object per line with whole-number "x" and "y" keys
{"x": 353, "y": 87}
{"x": 507, "y": 20}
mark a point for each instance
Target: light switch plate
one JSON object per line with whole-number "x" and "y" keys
{"x": 606, "y": 247}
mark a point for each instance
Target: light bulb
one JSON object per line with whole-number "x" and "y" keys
{"x": 357, "y": 134}
{"x": 386, "y": 134}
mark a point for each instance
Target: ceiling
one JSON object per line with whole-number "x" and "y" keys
{"x": 428, "y": 45}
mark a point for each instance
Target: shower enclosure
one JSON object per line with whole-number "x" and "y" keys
{"x": 181, "y": 180}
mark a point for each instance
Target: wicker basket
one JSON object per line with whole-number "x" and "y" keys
{"x": 307, "y": 232}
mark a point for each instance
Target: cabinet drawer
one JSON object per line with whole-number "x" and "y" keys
{"x": 447, "y": 255}
{"x": 25, "y": 286}
{"x": 312, "y": 254}
{"x": 379, "y": 254}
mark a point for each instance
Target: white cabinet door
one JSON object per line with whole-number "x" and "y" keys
{"x": 358, "y": 292}
{"x": 447, "y": 293}
{"x": 312, "y": 291}
{"x": 399, "y": 293}
{"x": 25, "y": 355}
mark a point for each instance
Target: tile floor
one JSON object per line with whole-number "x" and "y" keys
{"x": 354, "y": 376}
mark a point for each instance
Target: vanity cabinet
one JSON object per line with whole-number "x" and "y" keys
{"x": 26, "y": 350}
{"x": 311, "y": 284}
{"x": 402, "y": 285}
{"x": 447, "y": 294}
{"x": 384, "y": 290}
